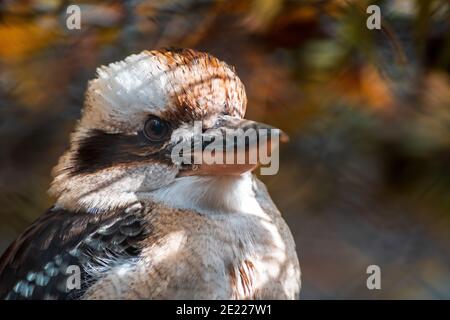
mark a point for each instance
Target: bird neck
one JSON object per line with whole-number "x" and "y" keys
{"x": 210, "y": 194}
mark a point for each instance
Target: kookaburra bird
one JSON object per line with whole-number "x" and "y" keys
{"x": 138, "y": 225}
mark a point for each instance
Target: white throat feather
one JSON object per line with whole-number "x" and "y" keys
{"x": 210, "y": 194}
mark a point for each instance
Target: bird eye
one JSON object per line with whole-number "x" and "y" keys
{"x": 156, "y": 129}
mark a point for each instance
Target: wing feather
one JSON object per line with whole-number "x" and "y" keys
{"x": 35, "y": 265}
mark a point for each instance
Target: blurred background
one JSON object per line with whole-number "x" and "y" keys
{"x": 365, "y": 178}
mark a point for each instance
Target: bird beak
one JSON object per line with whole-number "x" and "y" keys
{"x": 232, "y": 146}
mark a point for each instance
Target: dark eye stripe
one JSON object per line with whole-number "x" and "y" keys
{"x": 100, "y": 150}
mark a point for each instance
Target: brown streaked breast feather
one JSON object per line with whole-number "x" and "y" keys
{"x": 242, "y": 280}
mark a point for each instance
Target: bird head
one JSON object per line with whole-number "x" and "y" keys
{"x": 136, "y": 113}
